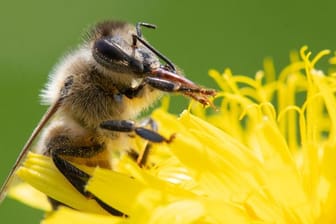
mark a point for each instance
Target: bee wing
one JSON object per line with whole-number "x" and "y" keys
{"x": 48, "y": 114}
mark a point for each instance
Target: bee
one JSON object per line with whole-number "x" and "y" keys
{"x": 95, "y": 93}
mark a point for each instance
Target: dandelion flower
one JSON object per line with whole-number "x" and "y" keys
{"x": 266, "y": 155}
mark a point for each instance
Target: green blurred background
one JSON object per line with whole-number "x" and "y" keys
{"x": 196, "y": 35}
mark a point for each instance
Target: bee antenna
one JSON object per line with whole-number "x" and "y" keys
{"x": 138, "y": 37}
{"x": 140, "y": 24}
{"x": 159, "y": 54}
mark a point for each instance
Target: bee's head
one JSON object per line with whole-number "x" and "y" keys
{"x": 113, "y": 47}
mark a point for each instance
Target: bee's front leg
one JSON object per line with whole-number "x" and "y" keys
{"x": 164, "y": 85}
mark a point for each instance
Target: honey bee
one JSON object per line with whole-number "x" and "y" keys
{"x": 95, "y": 93}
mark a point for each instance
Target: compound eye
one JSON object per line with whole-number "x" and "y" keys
{"x": 111, "y": 55}
{"x": 107, "y": 50}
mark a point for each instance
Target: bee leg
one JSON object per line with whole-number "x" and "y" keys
{"x": 129, "y": 126}
{"x": 148, "y": 134}
{"x": 195, "y": 93}
{"x": 151, "y": 122}
{"x": 132, "y": 92}
{"x": 142, "y": 157}
{"x": 173, "y": 86}
{"x": 77, "y": 177}
{"x": 164, "y": 85}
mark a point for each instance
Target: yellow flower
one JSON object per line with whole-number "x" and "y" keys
{"x": 266, "y": 155}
